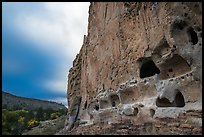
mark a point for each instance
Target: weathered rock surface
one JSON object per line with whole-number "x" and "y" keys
{"x": 140, "y": 61}
{"x": 182, "y": 125}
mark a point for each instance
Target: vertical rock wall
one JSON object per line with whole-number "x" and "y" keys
{"x": 139, "y": 59}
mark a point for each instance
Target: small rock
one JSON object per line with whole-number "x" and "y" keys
{"x": 129, "y": 111}
{"x": 173, "y": 124}
{"x": 157, "y": 126}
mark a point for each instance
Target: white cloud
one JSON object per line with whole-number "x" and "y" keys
{"x": 60, "y": 27}
{"x": 56, "y": 85}
{"x": 58, "y": 30}
{"x": 59, "y": 82}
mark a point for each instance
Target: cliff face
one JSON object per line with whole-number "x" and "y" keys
{"x": 139, "y": 61}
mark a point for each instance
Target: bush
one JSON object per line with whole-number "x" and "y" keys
{"x": 55, "y": 115}
{"x": 33, "y": 123}
{"x": 15, "y": 122}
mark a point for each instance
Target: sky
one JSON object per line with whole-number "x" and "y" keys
{"x": 39, "y": 43}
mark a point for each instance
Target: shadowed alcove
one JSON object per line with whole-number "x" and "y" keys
{"x": 148, "y": 69}
{"x": 178, "y": 101}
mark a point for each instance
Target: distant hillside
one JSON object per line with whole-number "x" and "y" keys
{"x": 13, "y": 102}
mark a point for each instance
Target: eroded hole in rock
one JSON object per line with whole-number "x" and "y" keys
{"x": 135, "y": 112}
{"x": 85, "y": 105}
{"x": 193, "y": 38}
{"x": 178, "y": 101}
{"x": 148, "y": 69}
{"x": 174, "y": 67}
{"x": 163, "y": 102}
{"x": 113, "y": 104}
{"x": 104, "y": 104}
{"x": 152, "y": 112}
{"x": 145, "y": 81}
{"x": 170, "y": 70}
{"x": 114, "y": 100}
{"x": 96, "y": 107}
{"x": 128, "y": 96}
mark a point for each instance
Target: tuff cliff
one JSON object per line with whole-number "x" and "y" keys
{"x": 140, "y": 62}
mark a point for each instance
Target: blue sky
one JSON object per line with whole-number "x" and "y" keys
{"x": 39, "y": 44}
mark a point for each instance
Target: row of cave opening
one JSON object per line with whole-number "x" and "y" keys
{"x": 160, "y": 102}
{"x": 171, "y": 68}
{"x": 176, "y": 65}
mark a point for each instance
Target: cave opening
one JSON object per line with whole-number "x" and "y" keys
{"x": 115, "y": 101}
{"x": 193, "y": 35}
{"x": 163, "y": 102}
{"x": 170, "y": 70}
{"x": 96, "y": 107}
{"x": 135, "y": 112}
{"x": 113, "y": 104}
{"x": 178, "y": 101}
{"x": 148, "y": 69}
{"x": 85, "y": 105}
{"x": 174, "y": 67}
{"x": 152, "y": 112}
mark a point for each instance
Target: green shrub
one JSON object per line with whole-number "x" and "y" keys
{"x": 15, "y": 122}
{"x": 33, "y": 123}
{"x": 55, "y": 115}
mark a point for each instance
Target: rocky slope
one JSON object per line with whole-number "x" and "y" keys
{"x": 141, "y": 62}
{"x": 13, "y": 102}
{"x": 48, "y": 127}
{"x": 185, "y": 124}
